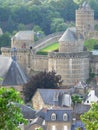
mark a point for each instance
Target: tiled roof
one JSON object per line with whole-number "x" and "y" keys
{"x": 80, "y": 108}
{"x": 10, "y": 72}
{"x": 59, "y": 114}
{"x": 27, "y": 111}
{"x": 48, "y": 95}
{"x": 70, "y": 35}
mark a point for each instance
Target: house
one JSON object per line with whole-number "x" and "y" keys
{"x": 91, "y": 97}
{"x": 47, "y": 98}
{"x": 55, "y": 119}
{"x": 59, "y": 119}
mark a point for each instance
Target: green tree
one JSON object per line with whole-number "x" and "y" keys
{"x": 58, "y": 25}
{"x": 90, "y": 118}
{"x": 21, "y": 26}
{"x": 76, "y": 99}
{"x": 5, "y": 39}
{"x": 41, "y": 80}
{"x": 10, "y": 114}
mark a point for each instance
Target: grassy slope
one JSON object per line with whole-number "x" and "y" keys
{"x": 49, "y": 48}
{"x": 89, "y": 44}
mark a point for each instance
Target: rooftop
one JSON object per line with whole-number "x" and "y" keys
{"x": 10, "y": 72}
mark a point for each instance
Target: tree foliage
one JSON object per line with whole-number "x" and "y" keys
{"x": 5, "y": 39}
{"x": 76, "y": 99}
{"x": 90, "y": 118}
{"x": 41, "y": 80}
{"x": 39, "y": 12}
{"x": 10, "y": 114}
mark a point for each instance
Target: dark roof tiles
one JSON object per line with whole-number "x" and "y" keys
{"x": 11, "y": 73}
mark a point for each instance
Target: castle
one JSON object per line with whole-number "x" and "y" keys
{"x": 71, "y": 61}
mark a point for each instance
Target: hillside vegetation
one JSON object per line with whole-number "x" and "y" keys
{"x": 91, "y": 44}
{"x": 44, "y": 16}
{"x": 49, "y": 15}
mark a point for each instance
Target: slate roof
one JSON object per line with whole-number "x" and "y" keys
{"x": 81, "y": 85}
{"x": 70, "y": 35}
{"x": 59, "y": 114}
{"x": 40, "y": 113}
{"x": 27, "y": 111}
{"x": 10, "y": 72}
{"x": 80, "y": 108}
{"x": 38, "y": 120}
{"x": 48, "y": 95}
{"x": 24, "y": 35}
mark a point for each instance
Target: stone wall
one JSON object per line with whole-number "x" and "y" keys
{"x": 70, "y": 47}
{"x": 21, "y": 43}
{"x": 47, "y": 41}
{"x": 72, "y": 68}
{"x": 84, "y": 20}
{"x": 93, "y": 35}
{"x": 94, "y": 64}
{"x": 39, "y": 63}
{"x": 37, "y": 104}
{"x": 27, "y": 60}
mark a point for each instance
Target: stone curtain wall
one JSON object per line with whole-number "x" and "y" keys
{"x": 48, "y": 40}
{"x": 72, "y": 69}
{"x": 39, "y": 63}
{"x": 71, "y": 47}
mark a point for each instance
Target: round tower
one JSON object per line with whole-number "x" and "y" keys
{"x": 71, "y": 42}
{"x": 85, "y": 19}
{"x": 71, "y": 62}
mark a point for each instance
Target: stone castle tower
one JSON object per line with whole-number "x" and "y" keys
{"x": 85, "y": 19}
{"x": 71, "y": 62}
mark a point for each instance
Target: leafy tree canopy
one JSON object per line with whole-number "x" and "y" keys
{"x": 90, "y": 118}
{"x": 10, "y": 114}
{"x": 41, "y": 80}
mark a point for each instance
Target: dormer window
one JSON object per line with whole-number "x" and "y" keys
{"x": 53, "y": 116}
{"x": 65, "y": 117}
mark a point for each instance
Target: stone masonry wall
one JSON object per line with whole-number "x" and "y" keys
{"x": 71, "y": 47}
{"x": 39, "y": 63}
{"x": 71, "y": 69}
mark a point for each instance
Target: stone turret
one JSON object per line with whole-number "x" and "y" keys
{"x": 70, "y": 42}
{"x": 22, "y": 39}
{"x": 71, "y": 62}
{"x": 85, "y": 19}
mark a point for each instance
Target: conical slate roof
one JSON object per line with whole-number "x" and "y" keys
{"x": 10, "y": 72}
{"x": 69, "y": 35}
